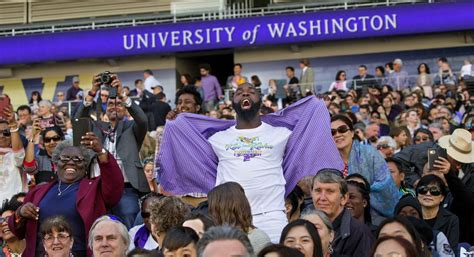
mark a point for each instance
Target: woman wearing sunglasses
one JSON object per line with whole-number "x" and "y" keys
{"x": 367, "y": 161}
{"x": 431, "y": 192}
{"x": 41, "y": 166}
{"x": 74, "y": 195}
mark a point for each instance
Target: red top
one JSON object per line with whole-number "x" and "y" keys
{"x": 94, "y": 197}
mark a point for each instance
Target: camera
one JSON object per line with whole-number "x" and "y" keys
{"x": 105, "y": 78}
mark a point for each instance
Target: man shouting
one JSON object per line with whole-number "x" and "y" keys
{"x": 267, "y": 155}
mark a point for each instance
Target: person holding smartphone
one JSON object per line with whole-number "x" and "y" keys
{"x": 123, "y": 139}
{"x": 11, "y": 154}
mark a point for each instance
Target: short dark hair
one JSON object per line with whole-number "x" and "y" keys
{"x": 390, "y": 65}
{"x": 238, "y": 64}
{"x": 363, "y": 66}
{"x": 381, "y": 68}
{"x": 282, "y": 250}
{"x": 148, "y": 71}
{"x": 424, "y": 131}
{"x": 179, "y": 237}
{"x": 140, "y": 252}
{"x": 397, "y": 163}
{"x": 443, "y": 59}
{"x": 189, "y": 90}
{"x": 432, "y": 179}
{"x": 305, "y": 62}
{"x": 9, "y": 205}
{"x": 312, "y": 231}
{"x": 55, "y": 223}
{"x": 137, "y": 81}
{"x": 205, "y": 66}
{"x": 197, "y": 78}
{"x": 23, "y": 107}
{"x": 16, "y": 196}
{"x": 290, "y": 68}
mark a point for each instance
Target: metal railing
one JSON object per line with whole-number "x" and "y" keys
{"x": 230, "y": 12}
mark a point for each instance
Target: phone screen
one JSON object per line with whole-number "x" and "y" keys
{"x": 432, "y": 156}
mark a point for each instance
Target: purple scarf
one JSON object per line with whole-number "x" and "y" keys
{"x": 141, "y": 237}
{"x": 188, "y": 163}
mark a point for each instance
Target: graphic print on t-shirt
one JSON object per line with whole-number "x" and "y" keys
{"x": 247, "y": 147}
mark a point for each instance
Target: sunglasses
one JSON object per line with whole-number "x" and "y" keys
{"x": 421, "y": 139}
{"x": 64, "y": 158}
{"x": 434, "y": 191}
{"x": 54, "y": 139}
{"x": 145, "y": 215}
{"x": 6, "y": 133}
{"x": 341, "y": 130}
{"x": 383, "y": 146}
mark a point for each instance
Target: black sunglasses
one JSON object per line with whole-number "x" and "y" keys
{"x": 342, "y": 129}
{"x": 434, "y": 191}
{"x": 423, "y": 139}
{"x": 54, "y": 139}
{"x": 383, "y": 146}
{"x": 6, "y": 133}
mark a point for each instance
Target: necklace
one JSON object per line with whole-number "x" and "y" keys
{"x": 59, "y": 188}
{"x": 12, "y": 253}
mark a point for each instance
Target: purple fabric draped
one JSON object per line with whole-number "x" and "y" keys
{"x": 141, "y": 237}
{"x": 188, "y": 163}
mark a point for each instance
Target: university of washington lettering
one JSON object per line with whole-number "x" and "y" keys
{"x": 242, "y": 33}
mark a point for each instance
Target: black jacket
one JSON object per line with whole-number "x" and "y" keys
{"x": 361, "y": 85}
{"x": 155, "y": 109}
{"x": 462, "y": 203}
{"x": 352, "y": 238}
{"x": 448, "y": 223}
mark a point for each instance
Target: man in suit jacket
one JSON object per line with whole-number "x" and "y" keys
{"x": 363, "y": 81}
{"x": 123, "y": 139}
{"x": 307, "y": 77}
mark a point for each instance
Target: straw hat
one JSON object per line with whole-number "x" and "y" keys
{"x": 459, "y": 145}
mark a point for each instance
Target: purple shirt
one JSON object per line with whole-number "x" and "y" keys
{"x": 211, "y": 87}
{"x": 188, "y": 162}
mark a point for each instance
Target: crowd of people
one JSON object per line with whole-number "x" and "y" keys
{"x": 378, "y": 166}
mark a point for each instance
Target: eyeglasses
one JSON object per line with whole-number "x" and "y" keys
{"x": 146, "y": 215}
{"x": 434, "y": 191}
{"x": 49, "y": 239}
{"x": 103, "y": 95}
{"x": 421, "y": 139}
{"x": 341, "y": 130}
{"x": 64, "y": 158}
{"x": 6, "y": 133}
{"x": 54, "y": 139}
{"x": 4, "y": 219}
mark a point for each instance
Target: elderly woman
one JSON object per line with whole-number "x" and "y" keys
{"x": 324, "y": 226}
{"x": 366, "y": 161}
{"x": 74, "y": 195}
{"x": 56, "y": 234}
{"x": 42, "y": 166}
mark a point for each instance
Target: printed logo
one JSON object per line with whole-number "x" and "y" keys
{"x": 247, "y": 148}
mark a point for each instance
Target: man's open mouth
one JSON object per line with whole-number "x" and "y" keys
{"x": 246, "y": 104}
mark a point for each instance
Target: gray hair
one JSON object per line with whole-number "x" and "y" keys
{"x": 436, "y": 124}
{"x": 120, "y": 226}
{"x": 328, "y": 176}
{"x": 86, "y": 153}
{"x": 310, "y": 212}
{"x": 220, "y": 233}
{"x": 45, "y": 102}
{"x": 388, "y": 140}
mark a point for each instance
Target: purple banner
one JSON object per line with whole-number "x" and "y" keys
{"x": 267, "y": 30}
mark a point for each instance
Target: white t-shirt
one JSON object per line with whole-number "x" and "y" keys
{"x": 253, "y": 158}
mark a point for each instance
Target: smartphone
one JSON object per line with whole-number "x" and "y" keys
{"x": 432, "y": 156}
{"x": 4, "y": 102}
{"x": 79, "y": 129}
{"x": 47, "y": 122}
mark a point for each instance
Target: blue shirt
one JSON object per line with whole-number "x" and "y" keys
{"x": 53, "y": 204}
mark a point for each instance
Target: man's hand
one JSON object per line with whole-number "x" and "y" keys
{"x": 118, "y": 84}
{"x": 172, "y": 114}
{"x": 36, "y": 128}
{"x": 29, "y": 211}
